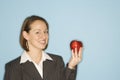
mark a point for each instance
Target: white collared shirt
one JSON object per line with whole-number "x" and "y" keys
{"x": 25, "y": 56}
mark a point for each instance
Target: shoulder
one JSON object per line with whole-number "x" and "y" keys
{"x": 14, "y": 62}
{"x": 58, "y": 60}
{"x": 55, "y": 57}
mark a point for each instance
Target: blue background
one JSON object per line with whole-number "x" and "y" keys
{"x": 95, "y": 22}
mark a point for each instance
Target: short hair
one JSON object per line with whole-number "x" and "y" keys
{"x": 26, "y": 27}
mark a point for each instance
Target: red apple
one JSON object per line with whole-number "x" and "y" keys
{"x": 76, "y": 44}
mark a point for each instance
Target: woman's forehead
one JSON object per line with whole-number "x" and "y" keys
{"x": 38, "y": 25}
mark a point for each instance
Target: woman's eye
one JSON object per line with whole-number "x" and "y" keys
{"x": 37, "y": 32}
{"x": 46, "y": 32}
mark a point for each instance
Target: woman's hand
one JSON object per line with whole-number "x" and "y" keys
{"x": 75, "y": 58}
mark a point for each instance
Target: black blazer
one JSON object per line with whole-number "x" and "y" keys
{"x": 52, "y": 70}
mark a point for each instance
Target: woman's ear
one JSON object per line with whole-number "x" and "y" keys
{"x": 25, "y": 35}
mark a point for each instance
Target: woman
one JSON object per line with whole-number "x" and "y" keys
{"x": 35, "y": 63}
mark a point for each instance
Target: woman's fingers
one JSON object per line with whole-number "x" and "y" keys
{"x": 80, "y": 52}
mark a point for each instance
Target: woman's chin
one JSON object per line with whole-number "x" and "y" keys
{"x": 43, "y": 47}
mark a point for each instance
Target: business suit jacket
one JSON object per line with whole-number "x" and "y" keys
{"x": 52, "y": 70}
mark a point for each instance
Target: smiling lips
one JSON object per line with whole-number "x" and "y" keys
{"x": 43, "y": 42}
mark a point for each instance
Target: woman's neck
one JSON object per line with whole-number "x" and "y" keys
{"x": 35, "y": 55}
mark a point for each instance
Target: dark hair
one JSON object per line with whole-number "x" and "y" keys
{"x": 26, "y": 27}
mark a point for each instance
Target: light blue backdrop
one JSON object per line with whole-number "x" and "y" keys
{"x": 95, "y": 22}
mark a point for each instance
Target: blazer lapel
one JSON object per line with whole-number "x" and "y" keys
{"x": 48, "y": 69}
{"x": 30, "y": 70}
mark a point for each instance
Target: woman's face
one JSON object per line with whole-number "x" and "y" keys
{"x": 37, "y": 37}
